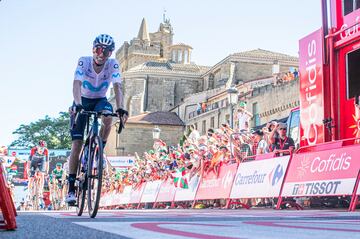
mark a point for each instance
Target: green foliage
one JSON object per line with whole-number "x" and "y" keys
{"x": 55, "y": 131}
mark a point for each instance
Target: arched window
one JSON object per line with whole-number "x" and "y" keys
{"x": 211, "y": 81}
{"x": 161, "y": 50}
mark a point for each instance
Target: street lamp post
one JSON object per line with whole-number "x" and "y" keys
{"x": 233, "y": 97}
{"x": 156, "y": 132}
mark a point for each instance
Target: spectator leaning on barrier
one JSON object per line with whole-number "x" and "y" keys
{"x": 262, "y": 146}
{"x": 245, "y": 148}
{"x": 282, "y": 142}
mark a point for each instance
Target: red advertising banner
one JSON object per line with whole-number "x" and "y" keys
{"x": 350, "y": 27}
{"x": 136, "y": 193}
{"x": 330, "y": 172}
{"x": 166, "y": 192}
{"x": 213, "y": 187}
{"x": 311, "y": 89}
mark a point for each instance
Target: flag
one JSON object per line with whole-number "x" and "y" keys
{"x": 180, "y": 180}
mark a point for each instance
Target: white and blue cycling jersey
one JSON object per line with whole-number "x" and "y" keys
{"x": 95, "y": 85}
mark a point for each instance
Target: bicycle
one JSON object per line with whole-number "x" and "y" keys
{"x": 34, "y": 191}
{"x": 57, "y": 193}
{"x": 90, "y": 169}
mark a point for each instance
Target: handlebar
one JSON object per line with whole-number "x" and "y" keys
{"x": 98, "y": 114}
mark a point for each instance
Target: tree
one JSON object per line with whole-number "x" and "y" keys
{"x": 55, "y": 131}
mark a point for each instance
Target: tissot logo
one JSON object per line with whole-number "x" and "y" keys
{"x": 322, "y": 188}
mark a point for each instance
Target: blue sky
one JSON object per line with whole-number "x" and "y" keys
{"x": 41, "y": 40}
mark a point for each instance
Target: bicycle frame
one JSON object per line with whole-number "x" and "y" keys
{"x": 34, "y": 191}
{"x": 86, "y": 169}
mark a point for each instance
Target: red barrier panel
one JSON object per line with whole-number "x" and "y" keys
{"x": 6, "y": 204}
{"x": 324, "y": 173}
{"x": 213, "y": 187}
{"x": 355, "y": 196}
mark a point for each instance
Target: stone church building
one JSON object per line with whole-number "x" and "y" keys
{"x": 159, "y": 76}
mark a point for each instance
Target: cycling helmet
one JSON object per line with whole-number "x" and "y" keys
{"x": 58, "y": 164}
{"x": 105, "y": 41}
{"x": 42, "y": 143}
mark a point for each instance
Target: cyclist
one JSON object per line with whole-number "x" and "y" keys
{"x": 65, "y": 168}
{"x": 57, "y": 179}
{"x": 39, "y": 159}
{"x": 93, "y": 76}
{"x": 58, "y": 173}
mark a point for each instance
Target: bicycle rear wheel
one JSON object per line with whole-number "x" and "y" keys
{"x": 95, "y": 170}
{"x": 81, "y": 179}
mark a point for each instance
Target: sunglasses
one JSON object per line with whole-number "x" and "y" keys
{"x": 100, "y": 50}
{"x": 282, "y": 128}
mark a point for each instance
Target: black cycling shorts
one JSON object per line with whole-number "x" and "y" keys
{"x": 37, "y": 162}
{"x": 98, "y": 105}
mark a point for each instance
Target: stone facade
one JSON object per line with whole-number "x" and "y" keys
{"x": 138, "y": 138}
{"x": 273, "y": 102}
{"x": 246, "y": 66}
{"x": 138, "y": 134}
{"x": 145, "y": 90}
{"x": 284, "y": 97}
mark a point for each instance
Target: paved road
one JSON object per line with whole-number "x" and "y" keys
{"x": 175, "y": 224}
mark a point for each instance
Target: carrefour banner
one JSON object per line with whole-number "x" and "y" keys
{"x": 214, "y": 186}
{"x": 8, "y": 161}
{"x": 330, "y": 172}
{"x": 262, "y": 178}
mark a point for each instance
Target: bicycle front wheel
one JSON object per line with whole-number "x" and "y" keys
{"x": 95, "y": 170}
{"x": 36, "y": 195}
{"x": 81, "y": 179}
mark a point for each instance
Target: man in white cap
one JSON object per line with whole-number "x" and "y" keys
{"x": 243, "y": 116}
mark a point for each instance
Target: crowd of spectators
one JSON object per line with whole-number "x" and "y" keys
{"x": 202, "y": 153}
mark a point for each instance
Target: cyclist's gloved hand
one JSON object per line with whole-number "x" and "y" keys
{"x": 78, "y": 108}
{"x": 121, "y": 112}
{"x": 123, "y": 115}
